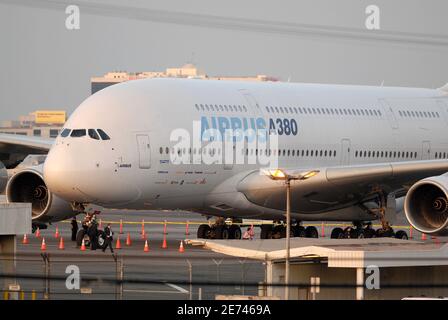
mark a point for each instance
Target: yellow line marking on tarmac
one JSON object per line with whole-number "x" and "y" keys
{"x": 204, "y": 222}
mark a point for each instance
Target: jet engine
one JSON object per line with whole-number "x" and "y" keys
{"x": 3, "y": 177}
{"x": 28, "y": 185}
{"x": 426, "y": 205}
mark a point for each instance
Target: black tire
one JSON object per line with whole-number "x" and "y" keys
{"x": 337, "y": 233}
{"x": 311, "y": 232}
{"x": 101, "y": 239}
{"x": 234, "y": 232}
{"x": 279, "y": 231}
{"x": 222, "y": 232}
{"x": 79, "y": 237}
{"x": 381, "y": 233}
{"x": 401, "y": 235}
{"x": 369, "y": 233}
{"x": 202, "y": 231}
{"x": 266, "y": 232}
{"x": 299, "y": 231}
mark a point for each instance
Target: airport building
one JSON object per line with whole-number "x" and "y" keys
{"x": 41, "y": 123}
{"x": 187, "y": 71}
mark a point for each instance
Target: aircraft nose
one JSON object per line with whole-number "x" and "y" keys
{"x": 60, "y": 173}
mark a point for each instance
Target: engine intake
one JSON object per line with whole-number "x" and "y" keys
{"x": 426, "y": 205}
{"x": 29, "y": 186}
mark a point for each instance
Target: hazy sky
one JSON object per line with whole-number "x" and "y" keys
{"x": 44, "y": 65}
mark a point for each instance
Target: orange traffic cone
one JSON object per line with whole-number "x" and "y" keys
{"x": 187, "y": 229}
{"x": 118, "y": 244}
{"x": 38, "y": 233}
{"x": 61, "y": 244}
{"x": 128, "y": 239}
{"x": 121, "y": 226}
{"x": 83, "y": 245}
{"x": 423, "y": 236}
{"x": 144, "y": 237}
{"x": 56, "y": 234}
{"x": 146, "y": 248}
{"x": 322, "y": 230}
{"x": 411, "y": 229}
{"x": 164, "y": 244}
{"x": 181, "y": 247}
{"x": 25, "y": 239}
{"x": 43, "y": 246}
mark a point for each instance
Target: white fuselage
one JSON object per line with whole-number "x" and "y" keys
{"x": 316, "y": 125}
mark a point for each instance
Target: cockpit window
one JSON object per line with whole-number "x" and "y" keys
{"x": 65, "y": 133}
{"x": 93, "y": 134}
{"x": 103, "y": 135}
{"x": 78, "y": 133}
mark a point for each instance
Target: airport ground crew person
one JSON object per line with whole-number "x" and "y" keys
{"x": 74, "y": 224}
{"x": 109, "y": 238}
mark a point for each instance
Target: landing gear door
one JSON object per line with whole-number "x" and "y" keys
{"x": 144, "y": 151}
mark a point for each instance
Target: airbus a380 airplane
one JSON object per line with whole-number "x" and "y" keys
{"x": 375, "y": 150}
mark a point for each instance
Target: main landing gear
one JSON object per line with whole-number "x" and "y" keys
{"x": 361, "y": 231}
{"x": 279, "y": 231}
{"x": 219, "y": 230}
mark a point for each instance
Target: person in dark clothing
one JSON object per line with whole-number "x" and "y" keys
{"x": 74, "y": 224}
{"x": 93, "y": 234}
{"x": 109, "y": 238}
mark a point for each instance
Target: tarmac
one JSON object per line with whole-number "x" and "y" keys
{"x": 135, "y": 274}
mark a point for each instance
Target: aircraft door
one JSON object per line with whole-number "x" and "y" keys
{"x": 345, "y": 152}
{"x": 144, "y": 151}
{"x": 426, "y": 150}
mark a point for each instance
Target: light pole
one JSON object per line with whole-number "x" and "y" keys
{"x": 279, "y": 174}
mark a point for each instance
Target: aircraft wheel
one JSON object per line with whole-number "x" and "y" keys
{"x": 203, "y": 230}
{"x": 311, "y": 232}
{"x": 222, "y": 232}
{"x": 300, "y": 232}
{"x": 337, "y": 233}
{"x": 235, "y": 232}
{"x": 401, "y": 235}
{"x": 369, "y": 233}
{"x": 101, "y": 239}
{"x": 266, "y": 232}
{"x": 381, "y": 233}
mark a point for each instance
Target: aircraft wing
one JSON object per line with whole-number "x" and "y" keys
{"x": 14, "y": 148}
{"x": 338, "y": 186}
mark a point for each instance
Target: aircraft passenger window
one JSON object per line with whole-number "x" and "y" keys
{"x": 286, "y": 110}
{"x": 103, "y": 134}
{"x": 305, "y": 111}
{"x": 334, "y": 153}
{"x": 314, "y": 110}
{"x": 437, "y": 114}
{"x": 77, "y": 133}
{"x": 212, "y": 107}
{"x": 382, "y": 154}
{"x": 407, "y": 154}
{"x": 337, "y": 111}
{"x": 202, "y": 107}
{"x": 276, "y": 110}
{"x": 312, "y": 153}
{"x": 161, "y": 150}
{"x": 444, "y": 155}
{"x": 320, "y": 153}
{"x": 318, "y": 110}
{"x": 295, "y": 109}
{"x": 300, "y": 110}
{"x": 281, "y": 109}
{"x": 65, "y": 133}
{"x": 267, "y": 109}
{"x": 93, "y": 134}
{"x": 245, "y": 109}
{"x": 379, "y": 113}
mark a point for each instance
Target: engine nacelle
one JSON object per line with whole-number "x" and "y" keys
{"x": 28, "y": 185}
{"x": 3, "y": 177}
{"x": 426, "y": 205}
